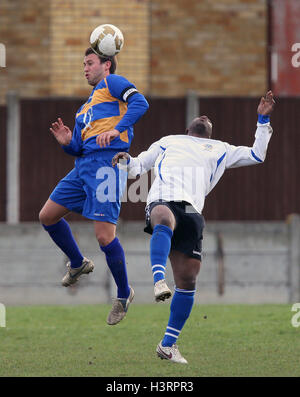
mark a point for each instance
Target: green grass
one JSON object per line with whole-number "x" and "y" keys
{"x": 234, "y": 340}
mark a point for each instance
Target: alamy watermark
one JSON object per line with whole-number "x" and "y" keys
{"x": 2, "y": 315}
{"x": 175, "y": 182}
{"x": 2, "y": 55}
{"x": 296, "y": 317}
{"x": 296, "y": 57}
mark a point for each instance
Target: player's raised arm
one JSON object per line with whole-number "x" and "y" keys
{"x": 266, "y": 104}
{"x": 240, "y": 156}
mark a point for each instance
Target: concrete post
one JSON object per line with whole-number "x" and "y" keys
{"x": 13, "y": 158}
{"x": 192, "y": 106}
{"x": 294, "y": 257}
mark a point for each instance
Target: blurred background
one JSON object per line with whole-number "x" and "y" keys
{"x": 188, "y": 57}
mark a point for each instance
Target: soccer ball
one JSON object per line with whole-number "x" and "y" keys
{"x": 107, "y": 40}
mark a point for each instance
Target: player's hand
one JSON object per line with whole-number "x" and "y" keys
{"x": 61, "y": 132}
{"x": 266, "y": 104}
{"x": 119, "y": 156}
{"x": 106, "y": 137}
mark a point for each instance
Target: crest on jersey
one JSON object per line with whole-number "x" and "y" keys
{"x": 208, "y": 147}
{"x": 87, "y": 118}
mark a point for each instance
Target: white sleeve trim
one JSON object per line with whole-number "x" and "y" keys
{"x": 129, "y": 92}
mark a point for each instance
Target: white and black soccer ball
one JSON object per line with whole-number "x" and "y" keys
{"x": 107, "y": 40}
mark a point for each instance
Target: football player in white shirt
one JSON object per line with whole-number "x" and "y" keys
{"x": 187, "y": 167}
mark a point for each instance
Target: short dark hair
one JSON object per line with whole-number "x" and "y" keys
{"x": 113, "y": 60}
{"x": 197, "y": 127}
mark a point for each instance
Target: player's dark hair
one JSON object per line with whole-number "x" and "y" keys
{"x": 196, "y": 127}
{"x": 113, "y": 60}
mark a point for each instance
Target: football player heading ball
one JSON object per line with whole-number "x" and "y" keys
{"x": 103, "y": 127}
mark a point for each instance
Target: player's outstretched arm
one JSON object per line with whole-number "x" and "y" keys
{"x": 240, "y": 156}
{"x": 142, "y": 163}
{"x": 61, "y": 132}
{"x": 266, "y": 104}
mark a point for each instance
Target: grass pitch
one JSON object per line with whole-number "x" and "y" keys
{"x": 217, "y": 341}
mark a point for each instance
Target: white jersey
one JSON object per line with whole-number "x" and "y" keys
{"x": 187, "y": 168}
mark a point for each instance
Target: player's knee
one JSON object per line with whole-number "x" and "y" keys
{"x": 104, "y": 239}
{"x": 46, "y": 219}
{"x": 166, "y": 221}
{"x": 187, "y": 279}
{"x": 43, "y": 217}
{"x": 163, "y": 219}
{"x": 162, "y": 215}
{"x": 188, "y": 283}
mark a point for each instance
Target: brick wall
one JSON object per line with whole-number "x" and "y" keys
{"x": 71, "y": 24}
{"x": 24, "y": 30}
{"x": 46, "y": 40}
{"x": 213, "y": 47}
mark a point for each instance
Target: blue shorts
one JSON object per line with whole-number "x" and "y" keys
{"x": 93, "y": 188}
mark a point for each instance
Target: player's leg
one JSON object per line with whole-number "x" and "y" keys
{"x": 115, "y": 258}
{"x": 185, "y": 270}
{"x": 52, "y": 212}
{"x": 68, "y": 196}
{"x": 52, "y": 218}
{"x": 103, "y": 204}
{"x": 163, "y": 223}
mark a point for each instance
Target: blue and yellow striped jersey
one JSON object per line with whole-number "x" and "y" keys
{"x": 114, "y": 103}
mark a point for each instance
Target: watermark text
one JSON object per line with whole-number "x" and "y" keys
{"x": 296, "y": 317}
{"x": 296, "y": 57}
{"x": 2, "y": 55}
{"x": 2, "y": 315}
{"x": 170, "y": 183}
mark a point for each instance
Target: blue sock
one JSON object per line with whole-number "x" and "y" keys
{"x": 160, "y": 245}
{"x": 61, "y": 234}
{"x": 115, "y": 259}
{"x": 180, "y": 310}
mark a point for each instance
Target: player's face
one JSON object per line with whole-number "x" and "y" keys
{"x": 94, "y": 70}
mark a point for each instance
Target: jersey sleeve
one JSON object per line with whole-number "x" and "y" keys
{"x": 75, "y": 146}
{"x": 240, "y": 156}
{"x": 144, "y": 161}
{"x": 122, "y": 89}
